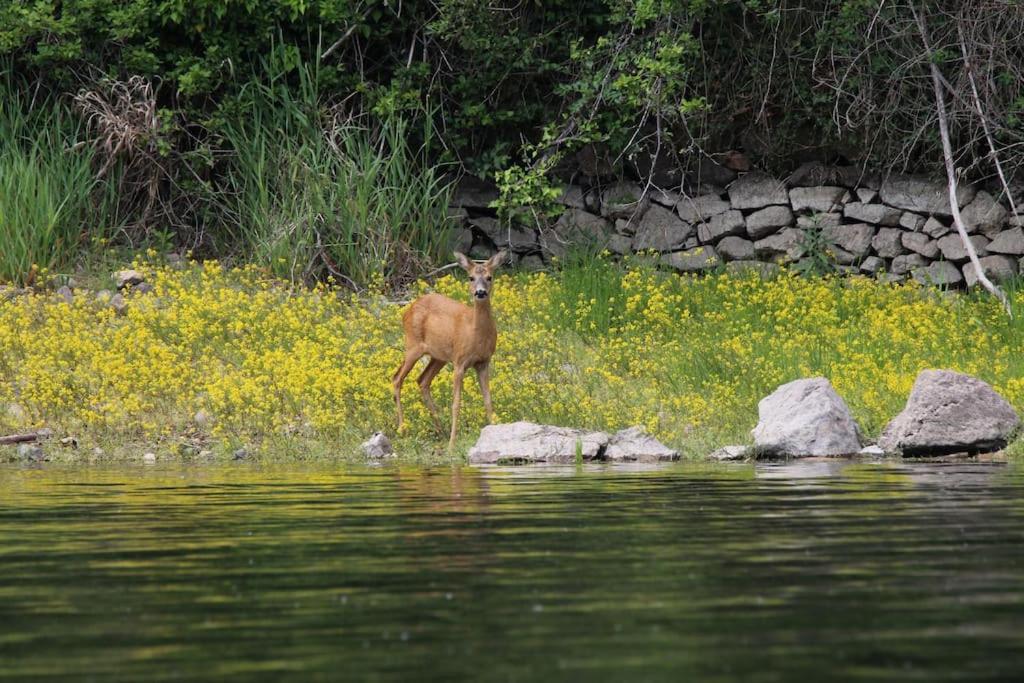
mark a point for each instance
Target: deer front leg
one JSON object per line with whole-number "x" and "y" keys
{"x": 456, "y": 401}
{"x": 483, "y": 375}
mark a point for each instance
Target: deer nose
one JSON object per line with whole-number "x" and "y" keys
{"x": 481, "y": 294}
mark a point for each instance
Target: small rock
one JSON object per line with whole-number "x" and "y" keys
{"x": 32, "y": 452}
{"x": 756, "y": 190}
{"x": 728, "y": 223}
{"x": 768, "y": 220}
{"x": 871, "y": 450}
{"x": 818, "y": 221}
{"x": 996, "y": 268}
{"x": 98, "y": 452}
{"x": 787, "y": 244}
{"x": 202, "y": 419}
{"x": 911, "y": 221}
{"x": 984, "y": 214}
{"x": 953, "y": 249}
{"x": 119, "y": 305}
{"x": 661, "y": 230}
{"x": 635, "y": 445}
{"x": 143, "y": 288}
{"x": 907, "y": 263}
{"x": 377, "y": 446}
{"x": 1008, "y": 242}
{"x": 805, "y": 417}
{"x": 16, "y": 413}
{"x": 818, "y": 199}
{"x": 921, "y": 243}
{"x": 701, "y": 208}
{"x": 693, "y": 260}
{"x": 866, "y": 195}
{"x": 573, "y": 198}
{"x": 69, "y": 442}
{"x": 872, "y": 265}
{"x": 734, "y": 248}
{"x": 940, "y": 274}
{"x": 950, "y": 412}
{"x": 205, "y": 454}
{"x": 526, "y": 442}
{"x": 66, "y": 294}
{"x": 149, "y": 458}
{"x": 623, "y": 200}
{"x": 473, "y": 193}
{"x": 876, "y": 214}
{"x": 240, "y": 454}
{"x": 128, "y": 278}
{"x": 666, "y": 198}
{"x": 855, "y": 238}
{"x": 888, "y": 243}
{"x": 727, "y": 453}
{"x": 935, "y": 228}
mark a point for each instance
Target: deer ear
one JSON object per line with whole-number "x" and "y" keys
{"x": 497, "y": 259}
{"x": 463, "y": 261}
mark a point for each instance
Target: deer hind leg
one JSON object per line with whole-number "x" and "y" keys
{"x": 411, "y": 357}
{"x": 425, "y": 379}
{"x": 483, "y": 375}
{"x": 456, "y": 402}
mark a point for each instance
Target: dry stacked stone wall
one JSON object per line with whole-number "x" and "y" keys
{"x": 896, "y": 227}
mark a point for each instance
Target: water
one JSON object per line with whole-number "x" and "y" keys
{"x": 866, "y": 571}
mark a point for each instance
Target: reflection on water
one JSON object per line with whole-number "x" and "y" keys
{"x": 867, "y": 570}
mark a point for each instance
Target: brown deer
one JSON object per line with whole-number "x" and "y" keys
{"x": 450, "y": 332}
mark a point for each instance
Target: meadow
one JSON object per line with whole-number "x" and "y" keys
{"x": 215, "y": 358}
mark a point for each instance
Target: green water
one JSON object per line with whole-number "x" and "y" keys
{"x": 812, "y": 571}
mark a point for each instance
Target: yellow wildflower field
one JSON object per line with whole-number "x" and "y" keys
{"x": 265, "y": 363}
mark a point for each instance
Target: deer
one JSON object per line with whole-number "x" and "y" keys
{"x": 451, "y": 332}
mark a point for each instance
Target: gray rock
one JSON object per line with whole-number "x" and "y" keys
{"x": 66, "y": 294}
{"x": 768, "y": 220}
{"x": 625, "y": 227}
{"x": 819, "y": 220}
{"x": 666, "y": 198}
{"x": 949, "y": 412}
{"x": 594, "y": 159}
{"x": 935, "y": 228}
{"x": 922, "y": 195}
{"x": 702, "y": 208}
{"x": 624, "y": 200}
{"x": 635, "y": 445}
{"x": 805, "y": 417}
{"x": 1008, "y": 242}
{"x": 997, "y": 268}
{"x": 844, "y": 258}
{"x": 911, "y": 221}
{"x": 866, "y": 195}
{"x": 817, "y": 173}
{"x": 660, "y": 229}
{"x": 620, "y": 244}
{"x": 526, "y": 442}
{"x": 907, "y": 263}
{"x": 729, "y": 453}
{"x": 920, "y": 243}
{"x": 31, "y": 452}
{"x": 728, "y": 223}
{"x": 240, "y": 454}
{"x": 940, "y": 274}
{"x": 710, "y": 172}
{"x": 734, "y": 248}
{"x": 855, "y": 238}
{"x": 872, "y": 265}
{"x": 487, "y": 226}
{"x": 876, "y": 214}
{"x": 756, "y": 190}
{"x": 953, "y": 249}
{"x": 818, "y": 199}
{"x": 128, "y": 278}
{"x": 515, "y": 238}
{"x": 202, "y": 419}
{"x": 871, "y": 450}
{"x": 787, "y": 245}
{"x": 984, "y": 214}
{"x": 377, "y": 446}
{"x": 119, "y": 305}
{"x": 533, "y": 262}
{"x": 461, "y": 240}
{"x": 762, "y": 269}
{"x": 473, "y": 193}
{"x": 694, "y": 260}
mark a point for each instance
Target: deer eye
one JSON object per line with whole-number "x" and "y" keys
{"x": 489, "y": 278}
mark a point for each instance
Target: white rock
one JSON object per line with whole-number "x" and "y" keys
{"x": 377, "y": 446}
{"x": 805, "y": 417}
{"x": 728, "y": 453}
{"x": 526, "y": 442}
{"x": 149, "y": 458}
{"x": 128, "y": 278}
{"x": 635, "y": 445}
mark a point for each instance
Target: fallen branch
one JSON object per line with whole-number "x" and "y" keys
{"x": 947, "y": 154}
{"x": 25, "y": 438}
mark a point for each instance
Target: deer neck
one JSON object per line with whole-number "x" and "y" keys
{"x": 483, "y": 320}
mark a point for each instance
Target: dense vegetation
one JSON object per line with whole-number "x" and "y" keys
{"x": 217, "y": 359}
{"x": 312, "y": 130}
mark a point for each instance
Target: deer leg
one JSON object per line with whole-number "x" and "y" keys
{"x": 425, "y": 379}
{"x": 399, "y": 377}
{"x": 456, "y": 401}
{"x": 483, "y": 375}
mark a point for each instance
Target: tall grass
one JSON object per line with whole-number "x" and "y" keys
{"x": 315, "y": 194}
{"x": 49, "y": 204}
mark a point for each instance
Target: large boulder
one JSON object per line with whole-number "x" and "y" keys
{"x": 805, "y": 417}
{"x": 660, "y": 229}
{"x": 527, "y": 442}
{"x": 636, "y": 445}
{"x": 922, "y": 195}
{"x": 949, "y": 412}
{"x": 756, "y": 190}
{"x": 768, "y": 220}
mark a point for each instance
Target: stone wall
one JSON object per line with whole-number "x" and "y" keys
{"x": 895, "y": 227}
